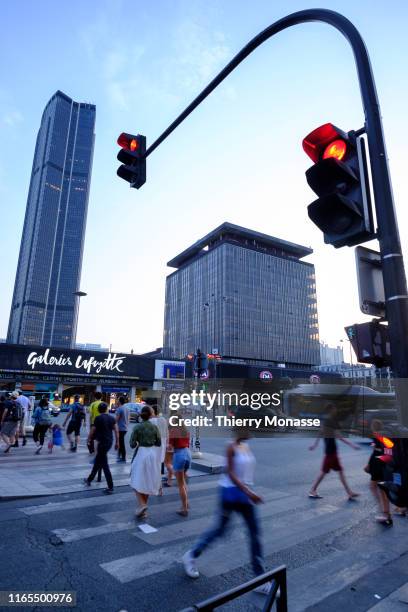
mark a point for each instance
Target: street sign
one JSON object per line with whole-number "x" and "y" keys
{"x": 315, "y": 379}
{"x": 370, "y": 282}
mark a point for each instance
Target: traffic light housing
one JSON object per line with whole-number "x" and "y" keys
{"x": 371, "y": 343}
{"x": 133, "y": 158}
{"x": 339, "y": 177}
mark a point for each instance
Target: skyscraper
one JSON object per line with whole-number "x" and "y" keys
{"x": 44, "y": 309}
{"x": 247, "y": 295}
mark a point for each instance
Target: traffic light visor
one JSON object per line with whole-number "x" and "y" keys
{"x": 128, "y": 141}
{"x": 324, "y": 142}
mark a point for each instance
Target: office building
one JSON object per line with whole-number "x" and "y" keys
{"x": 243, "y": 295}
{"x": 44, "y": 309}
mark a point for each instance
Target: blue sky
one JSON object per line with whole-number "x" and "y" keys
{"x": 238, "y": 158}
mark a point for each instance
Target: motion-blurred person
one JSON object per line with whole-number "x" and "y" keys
{"x": 145, "y": 470}
{"x": 376, "y": 468}
{"x": 236, "y": 495}
{"x": 56, "y": 439}
{"x": 331, "y": 460}
{"x": 179, "y": 440}
{"x": 102, "y": 431}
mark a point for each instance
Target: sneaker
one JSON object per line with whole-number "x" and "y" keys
{"x": 24, "y": 441}
{"x": 189, "y": 563}
{"x": 8, "y": 448}
{"x": 86, "y": 482}
{"x": 263, "y": 589}
{"x": 38, "y": 451}
{"x": 74, "y": 449}
{"x": 108, "y": 491}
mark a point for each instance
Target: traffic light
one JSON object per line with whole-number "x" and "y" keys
{"x": 371, "y": 343}
{"x": 200, "y": 364}
{"x": 133, "y": 158}
{"x": 339, "y": 177}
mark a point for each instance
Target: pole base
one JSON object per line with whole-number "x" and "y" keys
{"x": 196, "y": 454}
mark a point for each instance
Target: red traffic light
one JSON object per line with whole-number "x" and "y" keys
{"x": 128, "y": 142}
{"x": 324, "y": 142}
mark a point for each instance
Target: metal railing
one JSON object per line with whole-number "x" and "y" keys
{"x": 277, "y": 593}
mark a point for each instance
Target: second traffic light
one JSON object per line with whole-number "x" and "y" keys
{"x": 339, "y": 177}
{"x": 133, "y": 158}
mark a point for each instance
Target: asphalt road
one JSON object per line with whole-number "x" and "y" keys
{"x": 90, "y": 543}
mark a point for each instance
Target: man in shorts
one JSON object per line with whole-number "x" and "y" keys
{"x": 10, "y": 422}
{"x": 76, "y": 415}
{"x": 331, "y": 460}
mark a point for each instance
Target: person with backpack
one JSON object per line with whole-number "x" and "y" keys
{"x": 42, "y": 423}
{"x": 76, "y": 415}
{"x": 12, "y": 414}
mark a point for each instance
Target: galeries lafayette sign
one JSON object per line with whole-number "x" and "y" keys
{"x": 91, "y": 365}
{"x": 40, "y": 359}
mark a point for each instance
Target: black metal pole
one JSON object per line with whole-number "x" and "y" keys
{"x": 395, "y": 284}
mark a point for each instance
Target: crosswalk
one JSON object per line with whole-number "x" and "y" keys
{"x": 287, "y": 520}
{"x": 24, "y": 474}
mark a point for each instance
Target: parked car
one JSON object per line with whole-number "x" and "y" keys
{"x": 134, "y": 410}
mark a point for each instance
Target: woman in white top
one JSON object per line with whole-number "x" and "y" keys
{"x": 236, "y": 496}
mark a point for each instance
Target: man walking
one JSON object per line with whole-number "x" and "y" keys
{"x": 93, "y": 413}
{"x": 76, "y": 415}
{"x": 122, "y": 421}
{"x": 101, "y": 431}
{"x": 330, "y": 435}
{"x": 25, "y": 406}
{"x": 9, "y": 422}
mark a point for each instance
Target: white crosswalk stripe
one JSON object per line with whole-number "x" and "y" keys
{"x": 286, "y": 519}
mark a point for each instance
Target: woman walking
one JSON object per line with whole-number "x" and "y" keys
{"x": 161, "y": 424}
{"x": 42, "y": 422}
{"x": 145, "y": 470}
{"x": 179, "y": 440}
{"x": 236, "y": 496}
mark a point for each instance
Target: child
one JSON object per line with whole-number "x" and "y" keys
{"x": 56, "y": 438}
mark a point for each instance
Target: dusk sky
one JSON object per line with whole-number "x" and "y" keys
{"x": 237, "y": 158}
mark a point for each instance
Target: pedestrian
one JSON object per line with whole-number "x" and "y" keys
{"x": 76, "y": 415}
{"x": 102, "y": 431}
{"x": 57, "y": 438}
{"x": 376, "y": 468}
{"x": 25, "y": 406}
{"x": 145, "y": 470}
{"x": 3, "y": 406}
{"x": 93, "y": 413}
{"x": 179, "y": 439}
{"x": 9, "y": 421}
{"x": 163, "y": 428}
{"x": 42, "y": 423}
{"x": 330, "y": 435}
{"x": 122, "y": 421}
{"x": 236, "y": 495}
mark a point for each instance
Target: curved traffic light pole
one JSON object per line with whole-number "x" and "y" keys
{"x": 388, "y": 235}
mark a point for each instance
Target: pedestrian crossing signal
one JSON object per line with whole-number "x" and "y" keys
{"x": 133, "y": 158}
{"x": 339, "y": 177}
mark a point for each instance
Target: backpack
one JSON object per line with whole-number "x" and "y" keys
{"x": 16, "y": 411}
{"x": 45, "y": 417}
{"x": 78, "y": 412}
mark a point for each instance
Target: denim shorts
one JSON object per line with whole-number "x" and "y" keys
{"x": 181, "y": 459}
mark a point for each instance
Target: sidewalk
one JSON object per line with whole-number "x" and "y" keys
{"x": 395, "y": 602}
{"x": 24, "y": 474}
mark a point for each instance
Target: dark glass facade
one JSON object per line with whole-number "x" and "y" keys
{"x": 44, "y": 310}
{"x": 245, "y": 294}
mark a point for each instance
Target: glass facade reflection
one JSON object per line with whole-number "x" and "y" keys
{"x": 246, "y": 294}
{"x": 44, "y": 310}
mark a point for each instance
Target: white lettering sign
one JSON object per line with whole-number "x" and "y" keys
{"x": 111, "y": 363}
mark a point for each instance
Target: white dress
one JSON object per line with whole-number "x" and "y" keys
{"x": 145, "y": 476}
